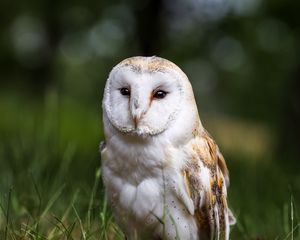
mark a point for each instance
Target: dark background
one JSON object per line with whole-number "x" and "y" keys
{"x": 242, "y": 58}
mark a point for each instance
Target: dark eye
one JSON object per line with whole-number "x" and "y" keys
{"x": 125, "y": 91}
{"x": 160, "y": 94}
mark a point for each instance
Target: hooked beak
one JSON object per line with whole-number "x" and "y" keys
{"x": 136, "y": 112}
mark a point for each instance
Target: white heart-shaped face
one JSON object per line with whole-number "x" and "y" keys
{"x": 142, "y": 102}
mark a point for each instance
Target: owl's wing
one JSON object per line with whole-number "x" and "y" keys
{"x": 206, "y": 179}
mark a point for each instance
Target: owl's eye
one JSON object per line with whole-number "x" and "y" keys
{"x": 125, "y": 91}
{"x": 159, "y": 94}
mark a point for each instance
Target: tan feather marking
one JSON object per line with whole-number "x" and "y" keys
{"x": 151, "y": 64}
{"x": 211, "y": 217}
{"x": 222, "y": 165}
{"x": 192, "y": 181}
{"x": 203, "y": 219}
{"x": 187, "y": 183}
{"x": 215, "y": 155}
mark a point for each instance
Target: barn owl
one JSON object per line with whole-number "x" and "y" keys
{"x": 164, "y": 175}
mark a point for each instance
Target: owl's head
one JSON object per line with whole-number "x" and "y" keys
{"x": 144, "y": 95}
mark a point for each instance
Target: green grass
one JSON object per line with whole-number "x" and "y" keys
{"x": 261, "y": 196}
{"x": 51, "y": 206}
{"x": 50, "y": 178}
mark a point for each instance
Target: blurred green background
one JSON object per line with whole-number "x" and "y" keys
{"x": 242, "y": 58}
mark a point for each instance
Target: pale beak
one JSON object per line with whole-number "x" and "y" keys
{"x": 136, "y": 117}
{"x": 136, "y": 112}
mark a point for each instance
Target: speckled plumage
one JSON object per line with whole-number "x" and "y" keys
{"x": 164, "y": 175}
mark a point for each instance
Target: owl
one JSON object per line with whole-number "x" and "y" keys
{"x": 164, "y": 175}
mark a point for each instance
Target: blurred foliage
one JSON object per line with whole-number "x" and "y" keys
{"x": 242, "y": 58}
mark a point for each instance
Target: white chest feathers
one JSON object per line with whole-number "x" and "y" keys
{"x": 148, "y": 200}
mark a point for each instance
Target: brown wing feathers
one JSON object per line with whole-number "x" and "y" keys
{"x": 210, "y": 201}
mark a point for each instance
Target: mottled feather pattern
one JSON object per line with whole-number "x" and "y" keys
{"x": 210, "y": 200}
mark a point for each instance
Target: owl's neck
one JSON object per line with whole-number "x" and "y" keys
{"x": 136, "y": 159}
